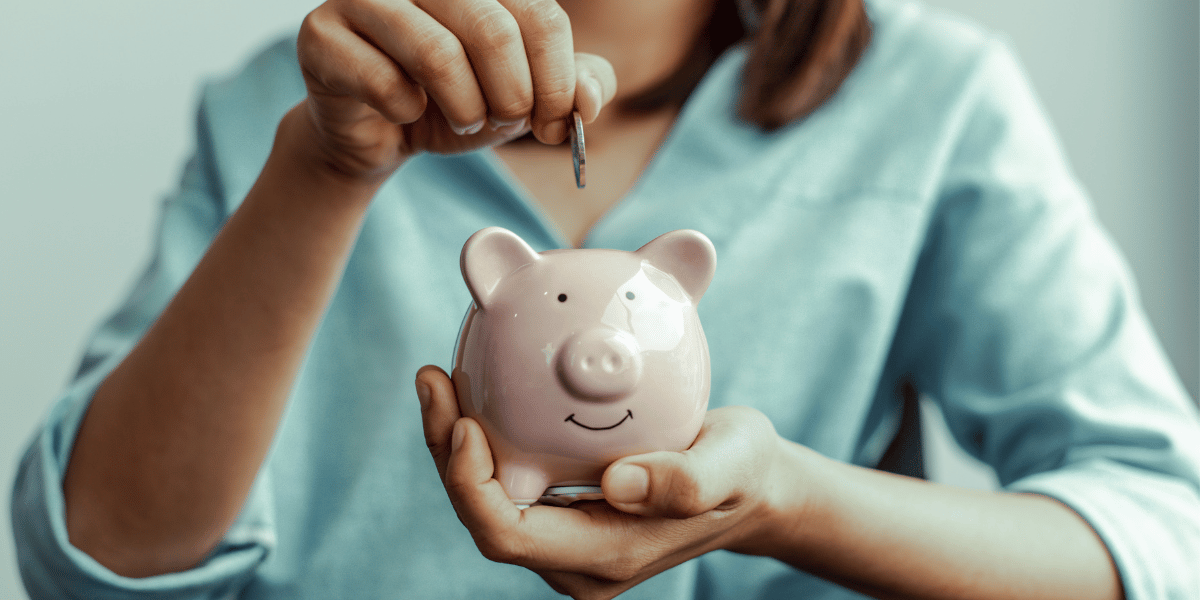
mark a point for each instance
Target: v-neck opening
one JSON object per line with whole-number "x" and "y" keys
{"x": 525, "y": 198}
{"x": 522, "y": 193}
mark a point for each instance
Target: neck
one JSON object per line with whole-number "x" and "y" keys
{"x": 645, "y": 40}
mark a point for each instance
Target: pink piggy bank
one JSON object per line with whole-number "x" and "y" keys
{"x": 571, "y": 359}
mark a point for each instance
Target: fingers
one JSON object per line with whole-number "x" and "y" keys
{"x": 464, "y": 460}
{"x": 670, "y": 484}
{"x": 479, "y": 500}
{"x": 429, "y": 53}
{"x": 506, "y": 65}
{"x": 593, "y": 549}
{"x": 584, "y": 587}
{"x": 489, "y": 36}
{"x": 729, "y": 455}
{"x": 462, "y": 455}
{"x": 546, "y": 34}
{"x": 595, "y": 543}
{"x": 338, "y": 63}
{"x": 439, "y": 412}
{"x": 596, "y": 85}
{"x": 591, "y": 543}
{"x": 538, "y": 537}
{"x": 522, "y": 55}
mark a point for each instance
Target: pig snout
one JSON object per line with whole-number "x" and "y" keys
{"x": 600, "y": 364}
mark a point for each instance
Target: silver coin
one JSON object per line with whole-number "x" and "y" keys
{"x": 578, "y": 154}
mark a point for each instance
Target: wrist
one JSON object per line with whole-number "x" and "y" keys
{"x": 794, "y": 504}
{"x": 302, "y": 155}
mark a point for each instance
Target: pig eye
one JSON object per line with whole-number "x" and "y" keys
{"x": 562, "y": 297}
{"x": 629, "y": 295}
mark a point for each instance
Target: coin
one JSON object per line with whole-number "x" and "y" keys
{"x": 578, "y": 155}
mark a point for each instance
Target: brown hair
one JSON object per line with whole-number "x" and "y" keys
{"x": 798, "y": 54}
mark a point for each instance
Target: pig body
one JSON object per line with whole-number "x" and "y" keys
{"x": 571, "y": 359}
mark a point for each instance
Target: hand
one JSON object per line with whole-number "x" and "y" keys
{"x": 662, "y": 508}
{"x": 493, "y": 69}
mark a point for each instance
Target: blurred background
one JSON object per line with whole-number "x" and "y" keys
{"x": 98, "y": 106}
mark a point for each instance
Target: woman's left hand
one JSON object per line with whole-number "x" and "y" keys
{"x": 662, "y": 508}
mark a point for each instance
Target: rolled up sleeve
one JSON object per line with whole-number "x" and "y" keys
{"x": 50, "y": 566}
{"x": 1033, "y": 340}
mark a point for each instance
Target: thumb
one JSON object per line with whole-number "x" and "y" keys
{"x": 729, "y": 457}
{"x": 595, "y": 84}
{"x": 667, "y": 484}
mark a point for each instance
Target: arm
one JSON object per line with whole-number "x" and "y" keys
{"x": 175, "y": 435}
{"x": 1022, "y": 322}
{"x": 895, "y": 537}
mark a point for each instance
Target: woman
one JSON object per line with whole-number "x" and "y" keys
{"x": 888, "y": 206}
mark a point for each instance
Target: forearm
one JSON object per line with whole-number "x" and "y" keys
{"x": 175, "y": 435}
{"x": 898, "y": 537}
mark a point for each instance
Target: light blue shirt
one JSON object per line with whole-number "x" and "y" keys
{"x": 922, "y": 225}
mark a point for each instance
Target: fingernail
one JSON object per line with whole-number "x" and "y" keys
{"x": 456, "y": 440}
{"x": 513, "y": 127}
{"x": 469, "y": 129}
{"x": 424, "y": 395}
{"x": 628, "y": 484}
{"x": 499, "y": 124}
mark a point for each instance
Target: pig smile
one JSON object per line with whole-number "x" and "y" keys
{"x": 628, "y": 415}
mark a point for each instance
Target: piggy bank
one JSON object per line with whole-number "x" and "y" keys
{"x": 571, "y": 359}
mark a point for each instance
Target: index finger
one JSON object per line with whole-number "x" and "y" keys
{"x": 439, "y": 411}
{"x": 546, "y": 32}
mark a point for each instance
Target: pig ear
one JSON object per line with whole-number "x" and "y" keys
{"x": 488, "y": 257}
{"x": 686, "y": 255}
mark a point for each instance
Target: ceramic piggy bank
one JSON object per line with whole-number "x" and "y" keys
{"x": 571, "y": 359}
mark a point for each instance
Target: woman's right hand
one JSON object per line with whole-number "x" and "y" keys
{"x": 388, "y": 79}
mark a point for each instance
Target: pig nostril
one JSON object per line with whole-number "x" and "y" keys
{"x": 610, "y": 363}
{"x": 600, "y": 364}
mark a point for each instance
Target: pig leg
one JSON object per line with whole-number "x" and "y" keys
{"x": 523, "y": 483}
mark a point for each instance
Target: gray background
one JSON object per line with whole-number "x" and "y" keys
{"x": 98, "y": 104}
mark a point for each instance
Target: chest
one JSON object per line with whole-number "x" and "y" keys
{"x": 617, "y": 154}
